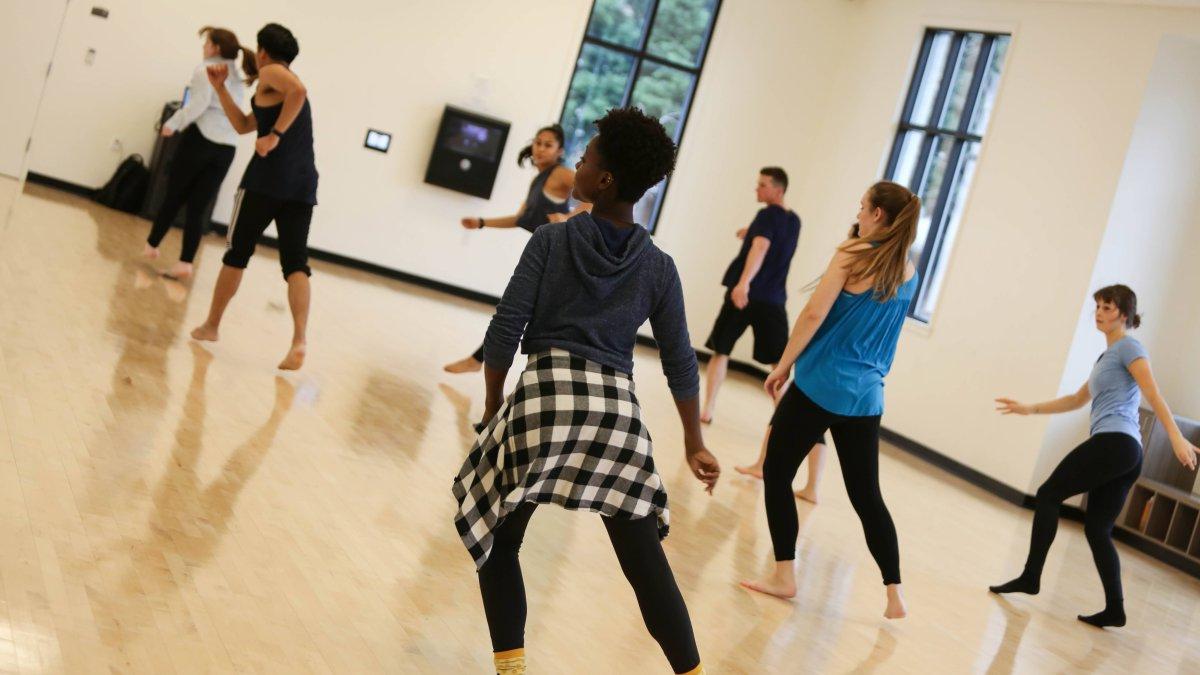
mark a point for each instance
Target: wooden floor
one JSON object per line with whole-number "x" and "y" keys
{"x": 167, "y": 507}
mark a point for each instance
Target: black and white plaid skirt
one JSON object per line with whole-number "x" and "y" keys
{"x": 570, "y": 434}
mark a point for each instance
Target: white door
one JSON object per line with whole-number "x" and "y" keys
{"x": 28, "y": 32}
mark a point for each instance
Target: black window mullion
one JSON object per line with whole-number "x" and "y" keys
{"x": 937, "y": 220}
{"x": 649, "y": 26}
{"x": 944, "y": 132}
{"x": 920, "y": 168}
{"x": 939, "y": 102}
{"x": 628, "y": 51}
{"x": 631, "y": 82}
{"x": 981, "y": 64}
{"x": 914, "y": 87}
{"x": 897, "y": 149}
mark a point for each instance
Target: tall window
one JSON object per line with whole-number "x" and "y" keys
{"x": 937, "y": 142}
{"x": 644, "y": 53}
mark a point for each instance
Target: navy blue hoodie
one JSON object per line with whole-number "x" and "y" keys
{"x": 570, "y": 291}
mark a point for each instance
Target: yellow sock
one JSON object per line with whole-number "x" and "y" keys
{"x": 511, "y": 662}
{"x": 698, "y": 670}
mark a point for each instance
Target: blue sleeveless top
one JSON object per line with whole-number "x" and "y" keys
{"x": 538, "y": 206}
{"x": 843, "y": 367}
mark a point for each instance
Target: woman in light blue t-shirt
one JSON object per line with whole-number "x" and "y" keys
{"x": 1106, "y": 465}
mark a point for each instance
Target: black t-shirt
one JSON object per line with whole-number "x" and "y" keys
{"x": 782, "y": 228}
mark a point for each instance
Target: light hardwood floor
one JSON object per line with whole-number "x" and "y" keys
{"x": 170, "y": 507}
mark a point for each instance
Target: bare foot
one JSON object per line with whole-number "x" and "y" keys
{"x": 772, "y": 586}
{"x": 754, "y": 470}
{"x": 180, "y": 271}
{"x": 150, "y": 252}
{"x": 205, "y": 332}
{"x": 807, "y": 494}
{"x": 467, "y": 365}
{"x": 896, "y": 609}
{"x": 294, "y": 358}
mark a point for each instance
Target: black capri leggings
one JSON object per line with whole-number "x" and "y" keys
{"x": 797, "y": 425}
{"x": 196, "y": 174}
{"x": 1104, "y": 466}
{"x": 642, "y": 560}
{"x": 252, "y": 213}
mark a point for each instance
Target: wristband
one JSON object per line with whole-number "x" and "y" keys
{"x": 481, "y": 221}
{"x": 276, "y": 132}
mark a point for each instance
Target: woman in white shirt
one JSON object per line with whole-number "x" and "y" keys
{"x": 206, "y": 149}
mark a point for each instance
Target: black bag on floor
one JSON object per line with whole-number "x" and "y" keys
{"x": 126, "y": 190}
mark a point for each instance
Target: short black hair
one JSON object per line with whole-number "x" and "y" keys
{"x": 278, "y": 42}
{"x": 776, "y": 174}
{"x": 636, "y": 149}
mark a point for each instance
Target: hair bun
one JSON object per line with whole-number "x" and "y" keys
{"x": 1136, "y": 322}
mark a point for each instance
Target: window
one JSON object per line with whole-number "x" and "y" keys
{"x": 645, "y": 53}
{"x": 937, "y": 142}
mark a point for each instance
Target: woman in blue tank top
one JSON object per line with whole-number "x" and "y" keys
{"x": 839, "y": 352}
{"x": 546, "y": 202}
{"x": 1106, "y": 465}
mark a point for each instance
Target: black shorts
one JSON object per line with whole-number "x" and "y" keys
{"x": 252, "y": 213}
{"x": 769, "y": 323}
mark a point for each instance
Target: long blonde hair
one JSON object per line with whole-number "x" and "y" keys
{"x": 885, "y": 260}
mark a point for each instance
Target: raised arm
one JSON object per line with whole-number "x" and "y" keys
{"x": 1185, "y": 452}
{"x": 499, "y": 223}
{"x": 1008, "y": 406}
{"x": 511, "y": 317}
{"x": 199, "y": 94}
{"x": 668, "y": 321}
{"x": 810, "y": 319}
{"x": 242, "y": 123}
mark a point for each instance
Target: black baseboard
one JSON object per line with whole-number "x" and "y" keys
{"x": 57, "y": 184}
{"x": 914, "y": 448}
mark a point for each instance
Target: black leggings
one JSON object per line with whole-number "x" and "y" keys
{"x": 252, "y": 213}
{"x": 797, "y": 425}
{"x": 1104, "y": 466}
{"x": 196, "y": 174}
{"x": 642, "y": 560}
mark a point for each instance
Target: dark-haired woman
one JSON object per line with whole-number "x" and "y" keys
{"x": 840, "y": 350}
{"x": 1106, "y": 465}
{"x": 547, "y": 201}
{"x": 575, "y": 302}
{"x": 206, "y": 149}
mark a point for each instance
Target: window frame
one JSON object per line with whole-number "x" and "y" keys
{"x": 934, "y": 251}
{"x": 640, "y": 54}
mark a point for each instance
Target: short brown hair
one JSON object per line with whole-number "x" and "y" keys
{"x": 776, "y": 174}
{"x": 1125, "y": 299}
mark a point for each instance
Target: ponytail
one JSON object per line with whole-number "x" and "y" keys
{"x": 249, "y": 65}
{"x": 885, "y": 260}
{"x": 228, "y": 47}
{"x": 527, "y": 151}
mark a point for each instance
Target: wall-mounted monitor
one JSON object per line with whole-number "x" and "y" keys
{"x": 466, "y": 152}
{"x": 378, "y": 140}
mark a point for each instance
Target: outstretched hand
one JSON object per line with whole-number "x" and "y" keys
{"x": 1008, "y": 406}
{"x": 470, "y": 223}
{"x": 704, "y": 467}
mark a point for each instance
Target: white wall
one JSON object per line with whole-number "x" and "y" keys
{"x": 1150, "y": 244}
{"x": 27, "y": 35}
{"x": 812, "y": 85}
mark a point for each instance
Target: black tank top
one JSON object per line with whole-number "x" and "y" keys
{"x": 288, "y": 172}
{"x": 538, "y": 206}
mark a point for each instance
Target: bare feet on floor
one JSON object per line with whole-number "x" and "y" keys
{"x": 205, "y": 332}
{"x": 896, "y": 609}
{"x": 807, "y": 494}
{"x": 180, "y": 271}
{"x": 294, "y": 358}
{"x": 150, "y": 252}
{"x": 754, "y": 470}
{"x": 467, "y": 365}
{"x": 772, "y": 585}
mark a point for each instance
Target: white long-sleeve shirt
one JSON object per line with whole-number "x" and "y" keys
{"x": 204, "y": 107}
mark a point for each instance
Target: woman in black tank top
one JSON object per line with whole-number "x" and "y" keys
{"x": 547, "y": 202}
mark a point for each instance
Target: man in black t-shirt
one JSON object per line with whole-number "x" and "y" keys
{"x": 757, "y": 286}
{"x": 757, "y": 283}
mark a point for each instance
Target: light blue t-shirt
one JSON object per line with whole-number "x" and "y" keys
{"x": 1115, "y": 394}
